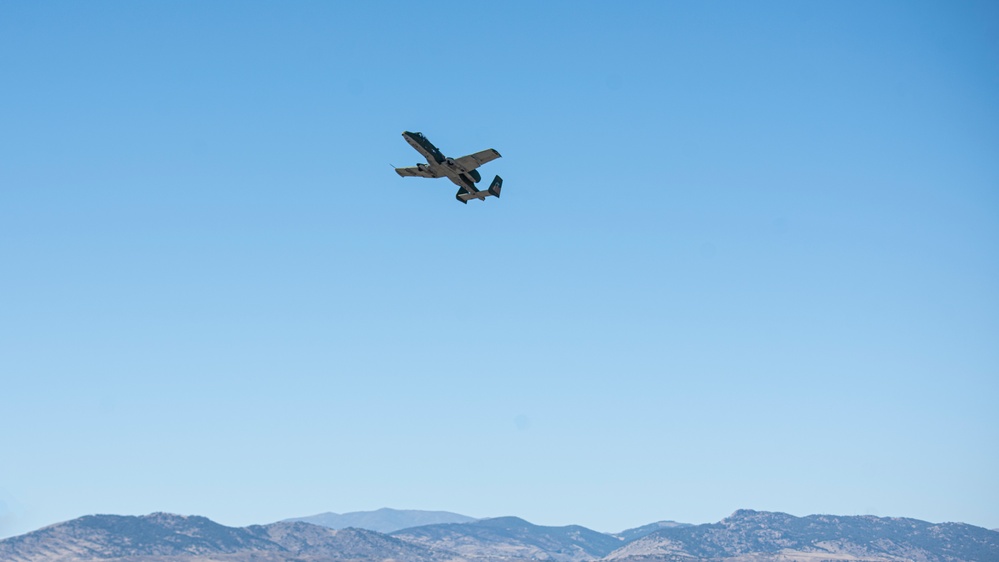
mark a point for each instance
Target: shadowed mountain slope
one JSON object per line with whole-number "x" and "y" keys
{"x": 779, "y": 536}
{"x": 384, "y": 520}
{"x": 512, "y": 537}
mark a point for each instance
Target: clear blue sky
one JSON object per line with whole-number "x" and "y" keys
{"x": 747, "y": 256}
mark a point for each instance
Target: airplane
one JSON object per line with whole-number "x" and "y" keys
{"x": 461, "y": 171}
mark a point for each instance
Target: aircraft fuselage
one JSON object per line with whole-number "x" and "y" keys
{"x": 441, "y": 165}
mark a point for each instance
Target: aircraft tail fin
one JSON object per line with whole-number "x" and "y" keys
{"x": 496, "y": 186}
{"x": 464, "y": 194}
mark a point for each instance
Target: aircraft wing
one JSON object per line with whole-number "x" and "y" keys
{"x": 416, "y": 171}
{"x": 473, "y": 161}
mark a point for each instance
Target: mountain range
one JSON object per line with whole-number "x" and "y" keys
{"x": 745, "y": 536}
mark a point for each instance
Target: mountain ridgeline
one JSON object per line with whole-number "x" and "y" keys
{"x": 779, "y": 536}
{"x": 165, "y": 537}
{"x": 745, "y": 536}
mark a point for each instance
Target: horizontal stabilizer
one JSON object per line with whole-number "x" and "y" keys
{"x": 465, "y": 194}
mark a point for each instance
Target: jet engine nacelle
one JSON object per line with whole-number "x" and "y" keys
{"x": 475, "y": 176}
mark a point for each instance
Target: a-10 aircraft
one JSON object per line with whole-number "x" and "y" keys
{"x": 461, "y": 171}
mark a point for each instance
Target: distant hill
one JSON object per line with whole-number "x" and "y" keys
{"x": 162, "y": 537}
{"x": 763, "y": 536}
{"x": 512, "y": 537}
{"x": 629, "y": 535}
{"x": 384, "y": 520}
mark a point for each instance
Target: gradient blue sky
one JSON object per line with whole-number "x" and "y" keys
{"x": 747, "y": 256}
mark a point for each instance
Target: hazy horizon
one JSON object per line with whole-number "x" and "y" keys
{"x": 476, "y": 518}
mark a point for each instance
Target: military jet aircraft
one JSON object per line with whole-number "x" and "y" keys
{"x": 461, "y": 171}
